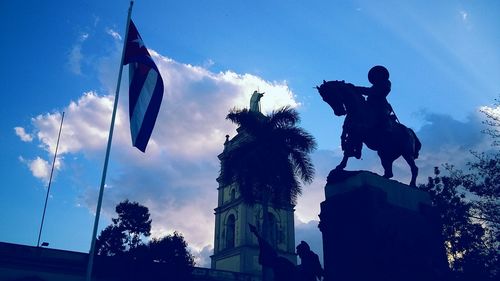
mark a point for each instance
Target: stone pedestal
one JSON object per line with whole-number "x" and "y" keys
{"x": 379, "y": 229}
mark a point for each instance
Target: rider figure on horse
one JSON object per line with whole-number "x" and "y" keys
{"x": 381, "y": 112}
{"x": 371, "y": 121}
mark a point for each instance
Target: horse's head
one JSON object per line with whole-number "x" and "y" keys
{"x": 331, "y": 93}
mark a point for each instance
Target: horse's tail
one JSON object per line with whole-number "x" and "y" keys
{"x": 418, "y": 144}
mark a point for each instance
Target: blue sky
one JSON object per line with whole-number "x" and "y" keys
{"x": 63, "y": 56}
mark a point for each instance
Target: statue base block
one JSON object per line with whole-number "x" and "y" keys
{"x": 379, "y": 229}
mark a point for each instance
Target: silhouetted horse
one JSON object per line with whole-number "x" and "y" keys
{"x": 345, "y": 99}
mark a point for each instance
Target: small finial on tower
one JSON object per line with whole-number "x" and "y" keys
{"x": 227, "y": 139}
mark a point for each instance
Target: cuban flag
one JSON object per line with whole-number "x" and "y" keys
{"x": 145, "y": 89}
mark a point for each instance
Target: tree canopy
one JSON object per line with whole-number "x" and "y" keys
{"x": 124, "y": 238}
{"x": 271, "y": 155}
{"x": 111, "y": 241}
{"x": 133, "y": 219}
{"x": 131, "y": 225}
{"x": 171, "y": 249}
{"x": 469, "y": 205}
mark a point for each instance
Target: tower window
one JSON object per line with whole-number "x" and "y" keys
{"x": 233, "y": 194}
{"x": 230, "y": 231}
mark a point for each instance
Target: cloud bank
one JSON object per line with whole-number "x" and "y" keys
{"x": 175, "y": 178}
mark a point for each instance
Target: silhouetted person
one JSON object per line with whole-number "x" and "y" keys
{"x": 377, "y": 97}
{"x": 283, "y": 269}
{"x": 310, "y": 268}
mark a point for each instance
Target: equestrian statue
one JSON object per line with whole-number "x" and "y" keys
{"x": 371, "y": 121}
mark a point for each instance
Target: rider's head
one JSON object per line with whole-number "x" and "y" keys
{"x": 379, "y": 77}
{"x": 378, "y": 74}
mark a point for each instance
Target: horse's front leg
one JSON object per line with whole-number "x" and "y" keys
{"x": 343, "y": 163}
{"x": 387, "y": 164}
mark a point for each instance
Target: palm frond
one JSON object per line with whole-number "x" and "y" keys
{"x": 284, "y": 117}
{"x": 303, "y": 166}
{"x": 245, "y": 117}
{"x": 297, "y": 138}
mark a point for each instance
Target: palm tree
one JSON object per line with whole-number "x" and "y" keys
{"x": 270, "y": 158}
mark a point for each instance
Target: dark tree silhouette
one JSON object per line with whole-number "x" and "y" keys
{"x": 470, "y": 232}
{"x": 111, "y": 241}
{"x": 133, "y": 219}
{"x": 469, "y": 204}
{"x": 171, "y": 249}
{"x": 165, "y": 258}
{"x": 127, "y": 230}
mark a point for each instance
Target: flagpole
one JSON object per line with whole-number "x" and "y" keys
{"x": 50, "y": 181}
{"x": 106, "y": 159}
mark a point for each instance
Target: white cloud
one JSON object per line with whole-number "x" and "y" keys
{"x": 113, "y": 34}
{"x": 190, "y": 217}
{"x": 83, "y": 37}
{"x": 491, "y": 111}
{"x": 21, "y": 133}
{"x": 202, "y": 257}
{"x": 84, "y": 127}
{"x": 39, "y": 167}
{"x": 196, "y": 101}
{"x": 75, "y": 56}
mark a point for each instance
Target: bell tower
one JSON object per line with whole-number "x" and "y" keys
{"x": 235, "y": 247}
